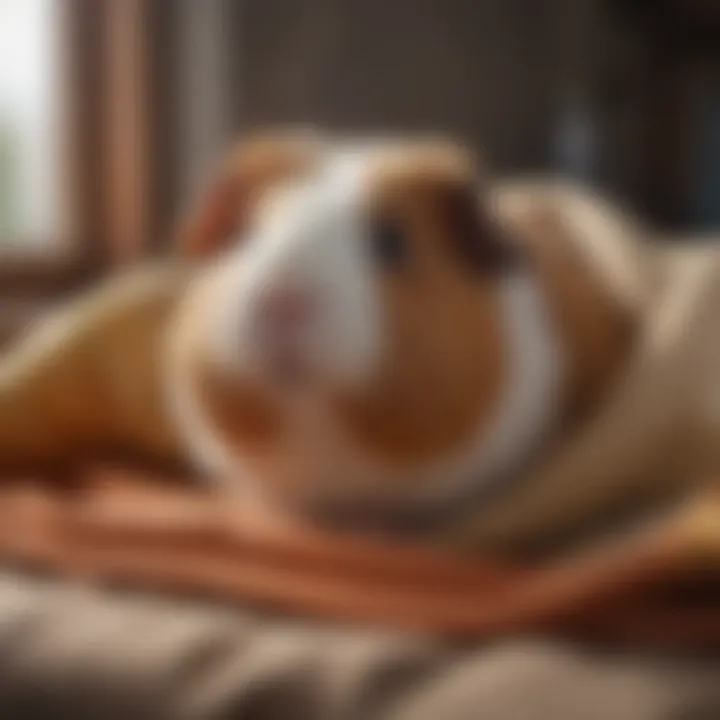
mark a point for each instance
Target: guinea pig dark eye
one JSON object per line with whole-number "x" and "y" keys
{"x": 390, "y": 247}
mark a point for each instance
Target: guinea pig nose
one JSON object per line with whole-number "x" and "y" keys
{"x": 287, "y": 308}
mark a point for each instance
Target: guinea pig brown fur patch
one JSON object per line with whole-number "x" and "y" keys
{"x": 444, "y": 358}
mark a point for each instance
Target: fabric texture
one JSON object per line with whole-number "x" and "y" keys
{"x": 69, "y": 651}
{"x": 130, "y": 528}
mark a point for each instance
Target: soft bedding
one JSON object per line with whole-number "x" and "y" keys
{"x": 77, "y": 644}
{"x": 71, "y": 651}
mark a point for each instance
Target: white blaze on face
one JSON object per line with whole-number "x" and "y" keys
{"x": 302, "y": 283}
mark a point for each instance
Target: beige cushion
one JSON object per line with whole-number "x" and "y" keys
{"x": 68, "y": 651}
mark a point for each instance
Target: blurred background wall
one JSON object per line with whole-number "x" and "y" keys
{"x": 136, "y": 100}
{"x": 623, "y": 93}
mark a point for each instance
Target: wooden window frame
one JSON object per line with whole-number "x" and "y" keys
{"x": 110, "y": 122}
{"x": 111, "y": 155}
{"x": 42, "y": 270}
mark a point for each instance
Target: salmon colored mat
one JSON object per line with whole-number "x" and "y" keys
{"x": 119, "y": 528}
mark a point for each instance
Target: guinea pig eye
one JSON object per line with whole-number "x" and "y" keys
{"x": 390, "y": 247}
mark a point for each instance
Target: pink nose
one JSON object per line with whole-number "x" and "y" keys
{"x": 287, "y": 311}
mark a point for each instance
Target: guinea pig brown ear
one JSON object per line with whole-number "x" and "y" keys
{"x": 224, "y": 207}
{"x": 477, "y": 238}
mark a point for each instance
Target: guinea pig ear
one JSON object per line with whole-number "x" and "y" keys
{"x": 225, "y": 205}
{"x": 478, "y": 240}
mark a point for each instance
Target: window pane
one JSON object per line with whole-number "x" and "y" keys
{"x": 29, "y": 123}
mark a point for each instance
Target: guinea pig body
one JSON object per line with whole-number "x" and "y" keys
{"x": 365, "y": 343}
{"x": 368, "y": 332}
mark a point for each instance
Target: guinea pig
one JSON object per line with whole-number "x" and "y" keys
{"x": 375, "y": 331}
{"x": 375, "y": 334}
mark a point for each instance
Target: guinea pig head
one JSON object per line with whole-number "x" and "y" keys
{"x": 376, "y": 335}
